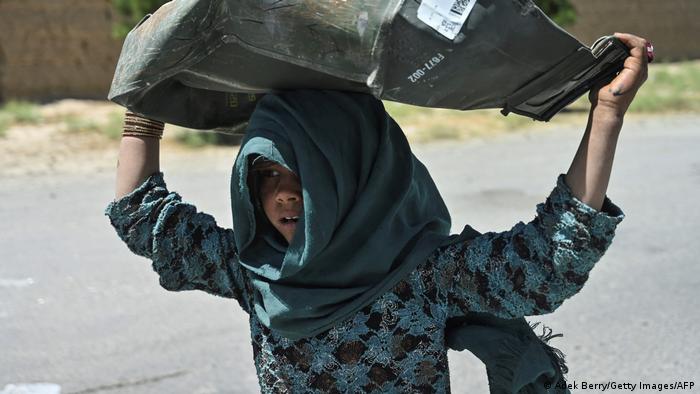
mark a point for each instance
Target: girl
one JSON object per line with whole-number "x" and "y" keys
{"x": 341, "y": 254}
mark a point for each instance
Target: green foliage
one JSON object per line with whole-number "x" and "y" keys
{"x": 111, "y": 127}
{"x": 77, "y": 124}
{"x": 670, "y": 87}
{"x": 560, "y": 11}
{"x": 20, "y": 112}
{"x": 5, "y": 121}
{"x": 114, "y": 126}
{"x": 131, "y": 12}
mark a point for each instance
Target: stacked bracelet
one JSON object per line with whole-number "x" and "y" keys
{"x": 135, "y": 125}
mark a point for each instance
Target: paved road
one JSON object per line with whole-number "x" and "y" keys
{"x": 79, "y": 310}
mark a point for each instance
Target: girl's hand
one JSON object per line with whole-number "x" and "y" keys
{"x": 618, "y": 94}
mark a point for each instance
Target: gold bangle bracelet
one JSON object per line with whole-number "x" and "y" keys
{"x": 151, "y": 132}
{"x": 143, "y": 122}
{"x": 139, "y": 135}
{"x": 138, "y": 126}
{"x": 141, "y": 129}
{"x": 136, "y": 134}
{"x": 129, "y": 124}
{"x": 132, "y": 118}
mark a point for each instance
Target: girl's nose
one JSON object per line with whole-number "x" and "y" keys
{"x": 286, "y": 195}
{"x": 288, "y": 190}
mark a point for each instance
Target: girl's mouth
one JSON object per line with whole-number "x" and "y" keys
{"x": 289, "y": 220}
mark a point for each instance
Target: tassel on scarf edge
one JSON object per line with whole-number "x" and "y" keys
{"x": 500, "y": 372}
{"x": 555, "y": 354}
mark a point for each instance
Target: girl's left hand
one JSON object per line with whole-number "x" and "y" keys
{"x": 618, "y": 94}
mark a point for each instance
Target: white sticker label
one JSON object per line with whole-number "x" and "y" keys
{"x": 445, "y": 16}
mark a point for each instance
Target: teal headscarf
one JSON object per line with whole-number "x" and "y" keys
{"x": 371, "y": 211}
{"x": 371, "y": 214}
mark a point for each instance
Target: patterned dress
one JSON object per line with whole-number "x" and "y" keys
{"x": 397, "y": 343}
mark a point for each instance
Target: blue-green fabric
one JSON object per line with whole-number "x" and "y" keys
{"x": 371, "y": 212}
{"x": 471, "y": 292}
{"x": 397, "y": 343}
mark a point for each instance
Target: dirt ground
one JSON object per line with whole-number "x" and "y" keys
{"x": 50, "y": 147}
{"x": 53, "y": 146}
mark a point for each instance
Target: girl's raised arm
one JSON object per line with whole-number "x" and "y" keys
{"x": 188, "y": 250}
{"x": 532, "y": 268}
{"x": 590, "y": 170}
{"x": 139, "y": 153}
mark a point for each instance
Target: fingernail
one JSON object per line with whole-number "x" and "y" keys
{"x": 617, "y": 91}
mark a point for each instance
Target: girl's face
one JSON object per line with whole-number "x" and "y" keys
{"x": 280, "y": 194}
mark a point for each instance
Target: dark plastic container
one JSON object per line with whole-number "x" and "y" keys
{"x": 203, "y": 64}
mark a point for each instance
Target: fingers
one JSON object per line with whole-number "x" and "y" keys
{"x": 637, "y": 45}
{"x": 635, "y": 68}
{"x": 627, "y": 78}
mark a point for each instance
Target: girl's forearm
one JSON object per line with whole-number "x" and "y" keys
{"x": 138, "y": 159}
{"x": 590, "y": 170}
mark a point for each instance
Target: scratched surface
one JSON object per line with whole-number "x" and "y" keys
{"x": 182, "y": 64}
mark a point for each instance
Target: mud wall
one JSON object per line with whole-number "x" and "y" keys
{"x": 63, "y": 48}
{"x": 56, "y": 48}
{"x": 673, "y": 26}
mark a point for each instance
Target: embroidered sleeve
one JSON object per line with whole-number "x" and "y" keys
{"x": 532, "y": 268}
{"x": 187, "y": 248}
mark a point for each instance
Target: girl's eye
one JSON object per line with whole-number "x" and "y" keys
{"x": 269, "y": 173}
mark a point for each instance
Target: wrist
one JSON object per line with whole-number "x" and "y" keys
{"x": 607, "y": 115}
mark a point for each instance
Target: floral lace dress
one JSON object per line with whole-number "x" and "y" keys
{"x": 397, "y": 343}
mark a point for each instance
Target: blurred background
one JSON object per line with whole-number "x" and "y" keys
{"x": 53, "y": 52}
{"x": 80, "y": 314}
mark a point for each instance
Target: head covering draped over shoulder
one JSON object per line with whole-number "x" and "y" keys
{"x": 371, "y": 214}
